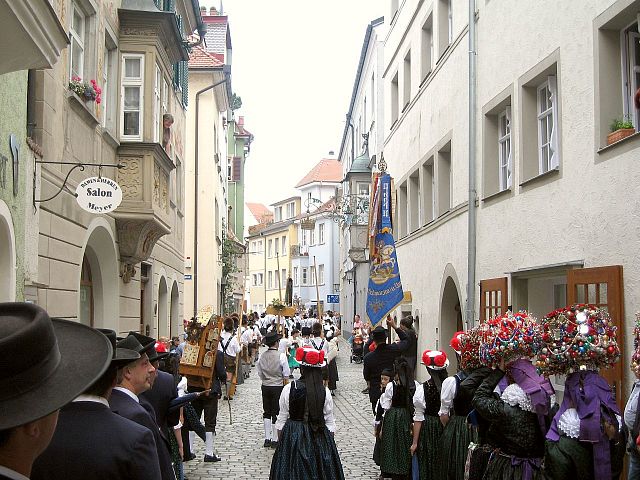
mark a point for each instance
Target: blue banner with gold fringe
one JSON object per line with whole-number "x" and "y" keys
{"x": 385, "y": 292}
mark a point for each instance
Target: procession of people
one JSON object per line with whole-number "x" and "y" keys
{"x": 124, "y": 410}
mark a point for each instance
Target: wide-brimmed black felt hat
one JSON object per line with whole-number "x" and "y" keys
{"x": 45, "y": 363}
{"x": 271, "y": 337}
{"x": 121, "y": 356}
{"x": 138, "y": 343}
{"x": 379, "y": 334}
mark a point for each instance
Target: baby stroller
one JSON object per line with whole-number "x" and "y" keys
{"x": 357, "y": 349}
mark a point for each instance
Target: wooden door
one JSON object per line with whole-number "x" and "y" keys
{"x": 494, "y": 298}
{"x": 603, "y": 287}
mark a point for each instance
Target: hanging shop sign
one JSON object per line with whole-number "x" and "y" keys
{"x": 98, "y": 195}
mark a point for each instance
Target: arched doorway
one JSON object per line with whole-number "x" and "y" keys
{"x": 98, "y": 294}
{"x": 7, "y": 256}
{"x": 176, "y": 323}
{"x": 86, "y": 316}
{"x": 450, "y": 318}
{"x": 163, "y": 300}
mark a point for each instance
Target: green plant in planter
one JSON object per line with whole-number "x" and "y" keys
{"x": 621, "y": 123}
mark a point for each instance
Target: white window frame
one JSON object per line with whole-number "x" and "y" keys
{"x": 630, "y": 42}
{"x": 547, "y": 119}
{"x": 270, "y": 248}
{"x": 276, "y": 247}
{"x": 260, "y": 247}
{"x": 261, "y": 279}
{"x": 157, "y": 102}
{"x": 295, "y": 276}
{"x": 284, "y": 245}
{"x": 305, "y": 278}
{"x": 505, "y": 146}
{"x": 312, "y": 275}
{"x": 255, "y": 279}
{"x": 278, "y": 214}
{"x": 79, "y": 37}
{"x": 312, "y": 237}
{"x": 283, "y": 277}
{"x": 270, "y": 280}
{"x": 304, "y": 237}
{"x": 450, "y": 20}
{"x": 321, "y": 274}
{"x": 132, "y": 82}
{"x": 321, "y": 233}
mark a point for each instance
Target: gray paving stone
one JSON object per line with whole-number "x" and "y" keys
{"x": 240, "y": 443}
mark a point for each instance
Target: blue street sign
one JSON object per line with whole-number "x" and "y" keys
{"x": 333, "y": 298}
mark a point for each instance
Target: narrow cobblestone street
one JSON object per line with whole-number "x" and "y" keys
{"x": 240, "y": 444}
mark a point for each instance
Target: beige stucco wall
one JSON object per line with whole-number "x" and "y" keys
{"x": 210, "y": 190}
{"x": 67, "y": 232}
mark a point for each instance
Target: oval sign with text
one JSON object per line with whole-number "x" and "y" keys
{"x": 98, "y": 195}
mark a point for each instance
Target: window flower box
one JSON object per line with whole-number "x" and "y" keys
{"x": 619, "y": 134}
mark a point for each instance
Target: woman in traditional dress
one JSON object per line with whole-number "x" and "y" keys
{"x": 456, "y": 396}
{"x": 397, "y": 402}
{"x": 306, "y": 448}
{"x": 518, "y": 420}
{"x": 332, "y": 337}
{"x": 584, "y": 441}
{"x": 427, "y": 427}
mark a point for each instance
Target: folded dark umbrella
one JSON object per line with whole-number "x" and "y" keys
{"x": 192, "y": 422}
{"x": 178, "y": 402}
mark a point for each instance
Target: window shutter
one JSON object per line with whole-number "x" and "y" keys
{"x": 159, "y": 4}
{"x": 236, "y": 171}
{"x": 176, "y": 75}
{"x": 555, "y": 154}
{"x": 169, "y": 5}
{"x": 185, "y": 83}
{"x": 509, "y": 155}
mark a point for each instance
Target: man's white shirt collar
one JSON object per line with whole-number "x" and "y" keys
{"x": 7, "y": 472}
{"x": 92, "y": 398}
{"x": 128, "y": 392}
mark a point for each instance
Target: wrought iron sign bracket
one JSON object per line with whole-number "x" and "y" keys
{"x": 79, "y": 165}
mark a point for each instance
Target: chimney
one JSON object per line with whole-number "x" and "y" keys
{"x": 213, "y": 11}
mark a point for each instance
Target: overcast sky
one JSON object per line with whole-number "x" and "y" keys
{"x": 294, "y": 64}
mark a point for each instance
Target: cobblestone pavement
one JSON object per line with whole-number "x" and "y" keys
{"x": 240, "y": 444}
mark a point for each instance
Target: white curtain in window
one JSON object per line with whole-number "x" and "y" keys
{"x": 555, "y": 154}
{"x": 510, "y": 149}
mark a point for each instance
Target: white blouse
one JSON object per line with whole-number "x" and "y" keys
{"x": 283, "y": 416}
{"x": 387, "y": 396}
{"x": 233, "y": 347}
{"x": 447, "y": 394}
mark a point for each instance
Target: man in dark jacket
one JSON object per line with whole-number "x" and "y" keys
{"x": 163, "y": 390}
{"x": 93, "y": 442}
{"x": 411, "y": 353}
{"x": 133, "y": 379}
{"x": 382, "y": 357}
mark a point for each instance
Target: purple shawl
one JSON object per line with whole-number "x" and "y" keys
{"x": 536, "y": 386}
{"x": 589, "y": 392}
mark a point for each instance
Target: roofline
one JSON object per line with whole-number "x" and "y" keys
{"x": 354, "y": 92}
{"x": 274, "y": 227}
{"x": 295, "y": 197}
{"x": 318, "y": 181}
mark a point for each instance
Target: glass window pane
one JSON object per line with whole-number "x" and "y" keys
{"x": 77, "y": 23}
{"x": 131, "y": 123}
{"x": 132, "y": 67}
{"x": 131, "y": 98}
{"x": 76, "y": 58}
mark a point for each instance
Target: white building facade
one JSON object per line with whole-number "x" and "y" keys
{"x": 554, "y": 203}
{"x": 358, "y": 157}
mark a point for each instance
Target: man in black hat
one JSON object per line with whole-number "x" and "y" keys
{"x": 44, "y": 363}
{"x": 100, "y": 444}
{"x": 273, "y": 370}
{"x": 133, "y": 379}
{"x": 382, "y": 357}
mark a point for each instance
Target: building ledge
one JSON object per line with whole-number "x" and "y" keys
{"x": 81, "y": 108}
{"x": 32, "y": 28}
{"x": 634, "y": 138}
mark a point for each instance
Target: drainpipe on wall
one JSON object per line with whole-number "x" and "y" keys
{"x": 226, "y": 70}
{"x": 471, "y": 258}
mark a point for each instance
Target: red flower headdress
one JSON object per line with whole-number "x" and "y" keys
{"x": 577, "y": 337}
{"x": 508, "y": 337}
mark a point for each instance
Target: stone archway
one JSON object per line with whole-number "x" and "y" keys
{"x": 100, "y": 260}
{"x": 176, "y": 321}
{"x": 450, "y": 315}
{"x": 163, "y": 303}
{"x": 7, "y": 256}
